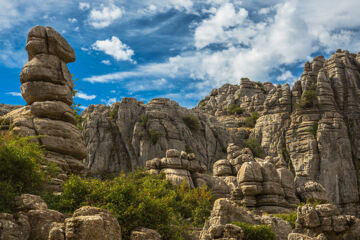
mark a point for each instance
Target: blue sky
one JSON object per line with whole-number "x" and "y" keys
{"x": 179, "y": 49}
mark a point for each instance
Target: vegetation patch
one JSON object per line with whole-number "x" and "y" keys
{"x": 144, "y": 120}
{"x": 112, "y": 113}
{"x": 154, "y": 136}
{"x": 191, "y": 122}
{"x": 140, "y": 199}
{"x": 307, "y": 100}
{"x": 235, "y": 109}
{"x": 289, "y": 217}
{"x": 251, "y": 121}
{"x": 188, "y": 149}
{"x": 255, "y": 147}
{"x": 313, "y": 129}
{"x": 261, "y": 86}
{"x": 255, "y": 232}
{"x": 22, "y": 168}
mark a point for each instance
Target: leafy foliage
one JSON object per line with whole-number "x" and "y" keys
{"x": 75, "y": 106}
{"x": 188, "y": 149}
{"x": 307, "y": 100}
{"x": 255, "y": 147}
{"x": 234, "y": 109}
{"x": 140, "y": 199}
{"x": 144, "y": 120}
{"x": 289, "y": 217}
{"x": 154, "y": 136}
{"x": 251, "y": 120}
{"x": 112, "y": 113}
{"x": 261, "y": 86}
{"x": 191, "y": 122}
{"x": 256, "y": 232}
{"x": 22, "y": 168}
{"x": 313, "y": 129}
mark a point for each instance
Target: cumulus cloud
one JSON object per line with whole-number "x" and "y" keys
{"x": 15, "y": 94}
{"x": 85, "y": 96}
{"x": 149, "y": 85}
{"x": 115, "y": 48}
{"x": 84, "y": 6}
{"x": 106, "y": 62}
{"x": 72, "y": 20}
{"x": 105, "y": 16}
{"x": 109, "y": 101}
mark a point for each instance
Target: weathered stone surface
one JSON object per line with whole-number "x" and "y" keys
{"x": 6, "y": 108}
{"x": 92, "y": 223}
{"x": 14, "y": 227}
{"x": 144, "y": 234}
{"x": 47, "y": 88}
{"x": 138, "y": 132}
{"x": 27, "y": 202}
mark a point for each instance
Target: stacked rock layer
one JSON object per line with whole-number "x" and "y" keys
{"x": 47, "y": 87}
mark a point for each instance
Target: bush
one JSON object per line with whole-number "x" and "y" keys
{"x": 112, "y": 113}
{"x": 261, "y": 86}
{"x": 234, "y": 109}
{"x": 307, "y": 100}
{"x": 255, "y": 147}
{"x": 144, "y": 120}
{"x": 256, "y": 232}
{"x": 140, "y": 199}
{"x": 313, "y": 129}
{"x": 20, "y": 168}
{"x": 188, "y": 149}
{"x": 154, "y": 136}
{"x": 251, "y": 121}
{"x": 191, "y": 122}
{"x": 289, "y": 217}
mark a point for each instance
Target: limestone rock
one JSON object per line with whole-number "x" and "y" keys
{"x": 14, "y": 227}
{"x": 26, "y": 202}
{"x": 47, "y": 88}
{"x": 144, "y": 234}
{"x": 92, "y": 223}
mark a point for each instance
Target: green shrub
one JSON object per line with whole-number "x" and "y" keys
{"x": 261, "y": 86}
{"x": 234, "y": 109}
{"x": 112, "y": 113}
{"x": 154, "y": 136}
{"x": 140, "y": 199}
{"x": 256, "y": 232}
{"x": 289, "y": 217}
{"x": 313, "y": 129}
{"x": 188, "y": 149}
{"x": 307, "y": 100}
{"x": 144, "y": 120}
{"x": 255, "y": 147}
{"x": 20, "y": 168}
{"x": 191, "y": 122}
{"x": 251, "y": 121}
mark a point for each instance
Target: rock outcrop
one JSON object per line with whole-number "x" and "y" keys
{"x": 6, "y": 108}
{"x": 226, "y": 212}
{"x": 124, "y": 136}
{"x": 313, "y": 127}
{"x": 46, "y": 85}
{"x": 35, "y": 221}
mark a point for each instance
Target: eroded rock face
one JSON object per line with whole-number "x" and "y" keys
{"x": 46, "y": 85}
{"x": 144, "y": 234}
{"x": 129, "y": 133}
{"x": 226, "y": 211}
{"x": 325, "y": 220}
{"x": 313, "y": 127}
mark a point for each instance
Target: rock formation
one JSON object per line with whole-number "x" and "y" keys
{"x": 314, "y": 127}
{"x": 47, "y": 88}
{"x": 124, "y": 136}
{"x": 35, "y": 221}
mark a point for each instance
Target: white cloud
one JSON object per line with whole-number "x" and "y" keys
{"x": 115, "y": 48}
{"x": 84, "y": 6}
{"x": 106, "y": 62}
{"x": 286, "y": 76}
{"x": 109, "y": 101}
{"x": 82, "y": 107}
{"x": 104, "y": 17}
{"x": 15, "y": 94}
{"x": 85, "y": 96}
{"x": 72, "y": 20}
{"x": 149, "y": 85}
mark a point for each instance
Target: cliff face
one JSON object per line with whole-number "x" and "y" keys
{"x": 314, "y": 126}
{"x": 124, "y": 136}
